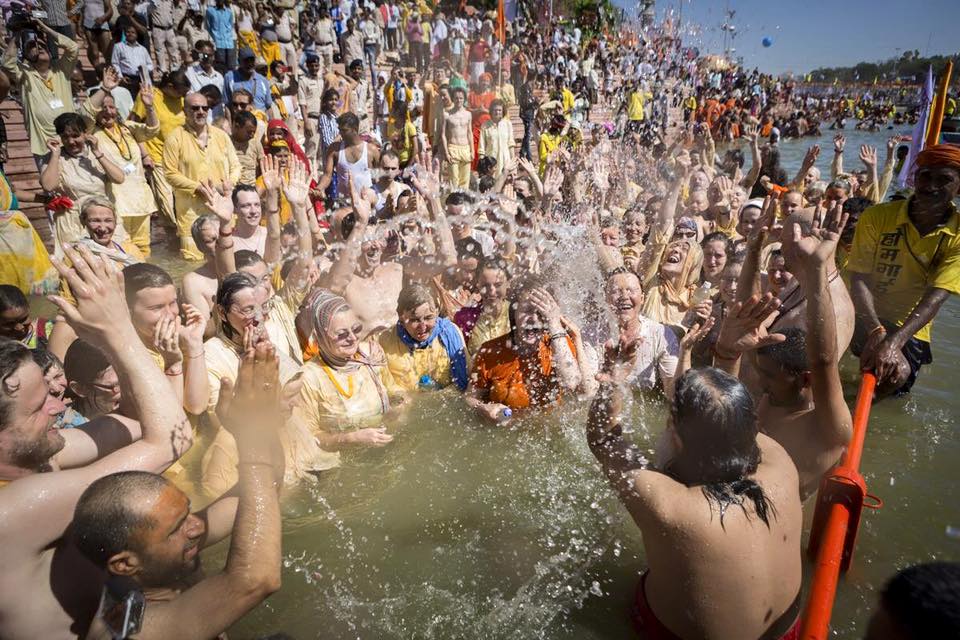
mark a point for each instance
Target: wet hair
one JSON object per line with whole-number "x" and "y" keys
{"x": 12, "y": 297}
{"x": 245, "y": 258}
{"x": 414, "y": 295}
{"x": 486, "y": 183}
{"x": 840, "y": 183}
{"x": 455, "y": 198}
{"x": 231, "y": 286}
{"x": 110, "y": 513}
{"x": 95, "y": 200}
{"x": 45, "y": 359}
{"x": 716, "y": 421}
{"x": 196, "y": 229}
{"x": 67, "y": 121}
{"x": 83, "y": 363}
{"x": 718, "y": 236}
{"x": 242, "y": 118}
{"x": 454, "y": 91}
{"x": 348, "y": 120}
{"x": 486, "y": 165}
{"x": 243, "y": 188}
{"x": 137, "y": 277}
{"x": 12, "y": 356}
{"x": 498, "y": 103}
{"x": 791, "y": 354}
{"x": 924, "y": 600}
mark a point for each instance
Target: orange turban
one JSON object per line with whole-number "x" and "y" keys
{"x": 944, "y": 155}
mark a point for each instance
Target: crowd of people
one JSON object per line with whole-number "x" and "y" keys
{"x": 364, "y": 222}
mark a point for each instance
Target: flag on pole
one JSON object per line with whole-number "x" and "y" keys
{"x": 905, "y": 179}
{"x": 501, "y": 22}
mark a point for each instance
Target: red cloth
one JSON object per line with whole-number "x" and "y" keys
{"x": 649, "y": 627}
{"x": 289, "y": 139}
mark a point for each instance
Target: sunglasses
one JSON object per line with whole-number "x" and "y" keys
{"x": 355, "y": 331}
{"x": 199, "y": 107}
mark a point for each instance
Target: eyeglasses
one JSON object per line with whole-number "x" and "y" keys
{"x": 251, "y": 311}
{"x": 355, "y": 331}
{"x": 199, "y": 107}
{"x": 685, "y": 233}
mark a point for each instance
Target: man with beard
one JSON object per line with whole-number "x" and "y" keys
{"x": 139, "y": 527}
{"x": 904, "y": 264}
{"x": 45, "y": 89}
{"x": 721, "y": 521}
{"x": 48, "y": 590}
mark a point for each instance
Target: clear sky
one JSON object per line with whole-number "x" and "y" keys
{"x": 819, "y": 33}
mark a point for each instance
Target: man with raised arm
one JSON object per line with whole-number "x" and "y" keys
{"x": 721, "y": 521}
{"x": 46, "y": 589}
{"x": 802, "y": 406}
{"x": 156, "y": 550}
{"x": 904, "y": 264}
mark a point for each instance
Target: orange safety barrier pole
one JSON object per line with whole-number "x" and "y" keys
{"x": 835, "y": 522}
{"x": 938, "y": 107}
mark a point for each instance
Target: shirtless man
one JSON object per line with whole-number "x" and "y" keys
{"x": 200, "y": 285}
{"x": 352, "y": 155}
{"x": 721, "y": 522}
{"x": 156, "y": 552}
{"x": 803, "y": 406}
{"x": 371, "y": 286}
{"x": 37, "y": 507}
{"x": 456, "y": 138}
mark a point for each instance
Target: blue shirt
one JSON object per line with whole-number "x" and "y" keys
{"x": 219, "y": 23}
{"x": 257, "y": 85}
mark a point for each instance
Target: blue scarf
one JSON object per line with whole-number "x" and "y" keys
{"x": 452, "y": 342}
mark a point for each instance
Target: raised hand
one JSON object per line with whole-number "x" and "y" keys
{"x": 745, "y": 327}
{"x": 696, "y": 333}
{"x": 751, "y": 134}
{"x": 190, "y": 335}
{"x": 838, "y": 143}
{"x": 248, "y": 408}
{"x": 270, "y": 172}
{"x": 811, "y": 156}
{"x": 219, "y": 204}
{"x": 146, "y": 95}
{"x": 110, "y": 79}
{"x": 868, "y": 156}
{"x": 296, "y": 185}
{"x": 361, "y": 207}
{"x": 766, "y": 225}
{"x": 100, "y": 311}
{"x": 892, "y": 143}
{"x": 815, "y": 249}
{"x": 92, "y": 142}
{"x": 54, "y": 145}
{"x": 547, "y": 307}
{"x": 526, "y": 166}
{"x": 426, "y": 179}
{"x": 552, "y": 181}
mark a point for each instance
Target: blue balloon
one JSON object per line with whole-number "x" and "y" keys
{"x": 767, "y": 41}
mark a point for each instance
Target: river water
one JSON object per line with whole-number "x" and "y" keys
{"x": 459, "y": 532}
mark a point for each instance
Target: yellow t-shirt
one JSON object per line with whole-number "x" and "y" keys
{"x": 635, "y": 110}
{"x": 408, "y": 366}
{"x": 171, "y": 116}
{"x": 903, "y": 264}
